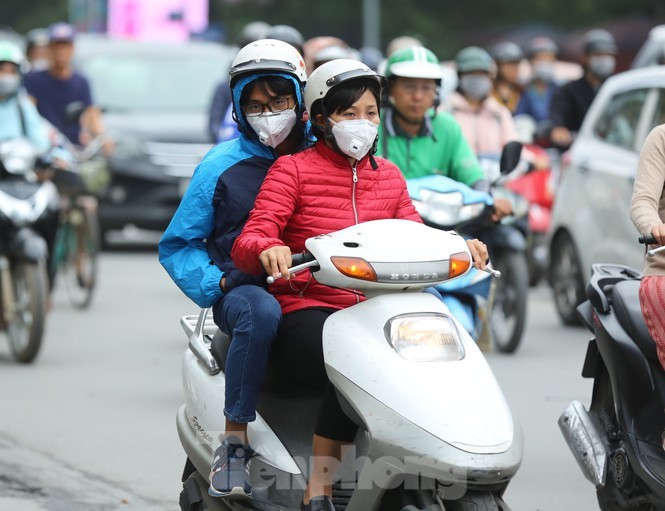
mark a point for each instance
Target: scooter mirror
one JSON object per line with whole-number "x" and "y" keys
{"x": 510, "y": 157}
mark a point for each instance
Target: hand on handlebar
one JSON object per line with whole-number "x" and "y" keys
{"x": 478, "y": 252}
{"x": 502, "y": 207}
{"x": 276, "y": 261}
{"x": 658, "y": 232}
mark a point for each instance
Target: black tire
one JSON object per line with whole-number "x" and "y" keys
{"x": 508, "y": 314}
{"x": 566, "y": 279}
{"x": 194, "y": 496}
{"x": 26, "y": 329}
{"x": 473, "y": 501}
{"x": 84, "y": 234}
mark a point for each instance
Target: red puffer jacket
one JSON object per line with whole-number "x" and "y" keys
{"x": 312, "y": 193}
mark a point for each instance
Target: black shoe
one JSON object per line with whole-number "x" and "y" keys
{"x": 229, "y": 475}
{"x": 320, "y": 503}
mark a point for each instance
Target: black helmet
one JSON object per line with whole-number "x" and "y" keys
{"x": 599, "y": 40}
{"x": 507, "y": 51}
{"x": 286, "y": 34}
{"x": 541, "y": 44}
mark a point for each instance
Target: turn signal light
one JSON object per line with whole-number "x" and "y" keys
{"x": 459, "y": 263}
{"x": 355, "y": 267}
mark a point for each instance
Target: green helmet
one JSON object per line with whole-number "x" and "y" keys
{"x": 473, "y": 58}
{"x": 414, "y": 62}
{"x": 9, "y": 52}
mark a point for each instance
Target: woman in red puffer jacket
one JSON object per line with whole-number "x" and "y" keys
{"x": 335, "y": 184}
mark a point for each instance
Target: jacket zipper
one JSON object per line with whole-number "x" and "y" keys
{"x": 355, "y": 211}
{"x": 353, "y": 195}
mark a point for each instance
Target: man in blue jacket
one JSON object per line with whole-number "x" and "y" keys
{"x": 266, "y": 79}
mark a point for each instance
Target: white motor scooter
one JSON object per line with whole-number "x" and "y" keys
{"x": 435, "y": 431}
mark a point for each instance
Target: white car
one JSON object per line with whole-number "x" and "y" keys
{"x": 591, "y": 215}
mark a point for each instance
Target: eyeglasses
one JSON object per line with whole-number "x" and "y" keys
{"x": 412, "y": 87}
{"x": 276, "y": 105}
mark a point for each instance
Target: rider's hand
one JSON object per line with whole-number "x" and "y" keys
{"x": 658, "y": 232}
{"x": 561, "y": 136}
{"x": 276, "y": 260}
{"x": 502, "y": 207}
{"x": 479, "y": 253}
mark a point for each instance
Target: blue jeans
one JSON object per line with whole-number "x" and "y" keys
{"x": 250, "y": 316}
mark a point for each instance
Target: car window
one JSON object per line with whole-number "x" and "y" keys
{"x": 152, "y": 82}
{"x": 619, "y": 121}
{"x": 659, "y": 112}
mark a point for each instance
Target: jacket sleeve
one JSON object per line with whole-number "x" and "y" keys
{"x": 560, "y": 107}
{"x": 182, "y": 248}
{"x": 272, "y": 211}
{"x": 405, "y": 209}
{"x": 649, "y": 183}
{"x": 34, "y": 125}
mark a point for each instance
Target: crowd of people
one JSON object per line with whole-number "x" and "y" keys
{"x": 313, "y": 136}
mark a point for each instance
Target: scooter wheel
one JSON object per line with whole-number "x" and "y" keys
{"x": 194, "y": 496}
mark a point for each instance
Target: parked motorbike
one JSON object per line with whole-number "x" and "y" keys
{"x": 618, "y": 442}
{"x": 447, "y": 204}
{"x": 438, "y": 436}
{"x": 28, "y": 213}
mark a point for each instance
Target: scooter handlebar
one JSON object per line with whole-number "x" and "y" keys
{"x": 647, "y": 239}
{"x": 299, "y": 262}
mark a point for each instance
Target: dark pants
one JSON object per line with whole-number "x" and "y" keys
{"x": 298, "y": 353}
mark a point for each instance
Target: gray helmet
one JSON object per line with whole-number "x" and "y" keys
{"x": 507, "y": 51}
{"x": 288, "y": 34}
{"x": 253, "y": 32}
{"x": 473, "y": 58}
{"x": 36, "y": 37}
{"x": 599, "y": 40}
{"x": 541, "y": 44}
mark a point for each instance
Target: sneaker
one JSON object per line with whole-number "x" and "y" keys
{"x": 229, "y": 475}
{"x": 320, "y": 503}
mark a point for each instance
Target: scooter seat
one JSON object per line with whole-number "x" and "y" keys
{"x": 626, "y": 301}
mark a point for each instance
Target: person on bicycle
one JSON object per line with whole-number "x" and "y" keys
{"x": 267, "y": 79}
{"x": 417, "y": 137}
{"x": 486, "y": 124}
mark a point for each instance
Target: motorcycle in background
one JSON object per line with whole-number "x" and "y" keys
{"x": 449, "y": 205}
{"x": 618, "y": 442}
{"x": 28, "y": 214}
{"x": 439, "y": 437}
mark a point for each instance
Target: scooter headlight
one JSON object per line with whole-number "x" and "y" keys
{"x": 447, "y": 208}
{"x": 421, "y": 337}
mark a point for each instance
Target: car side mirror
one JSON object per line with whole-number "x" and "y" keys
{"x": 510, "y": 157}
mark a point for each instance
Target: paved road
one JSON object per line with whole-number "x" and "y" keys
{"x": 91, "y": 425}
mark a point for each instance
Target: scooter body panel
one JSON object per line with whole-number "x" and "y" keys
{"x": 450, "y": 400}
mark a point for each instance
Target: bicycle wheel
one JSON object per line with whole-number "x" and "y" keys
{"x": 80, "y": 266}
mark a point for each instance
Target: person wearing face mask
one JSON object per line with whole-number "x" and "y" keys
{"x": 507, "y": 86}
{"x": 336, "y": 184}
{"x": 486, "y": 124}
{"x": 419, "y": 138}
{"x": 266, "y": 80}
{"x": 36, "y": 49}
{"x": 18, "y": 115}
{"x": 537, "y": 97}
{"x": 572, "y": 100}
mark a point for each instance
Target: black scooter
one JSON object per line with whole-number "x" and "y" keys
{"x": 618, "y": 443}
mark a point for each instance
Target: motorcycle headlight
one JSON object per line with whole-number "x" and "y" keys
{"x": 447, "y": 208}
{"x": 425, "y": 337}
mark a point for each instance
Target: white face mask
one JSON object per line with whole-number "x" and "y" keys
{"x": 273, "y": 128}
{"x": 476, "y": 86}
{"x": 355, "y": 138}
{"x": 543, "y": 71}
{"x": 9, "y": 84}
{"x": 602, "y": 65}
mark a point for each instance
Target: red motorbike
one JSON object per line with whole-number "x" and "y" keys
{"x": 533, "y": 180}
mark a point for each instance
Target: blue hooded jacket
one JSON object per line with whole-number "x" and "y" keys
{"x": 196, "y": 247}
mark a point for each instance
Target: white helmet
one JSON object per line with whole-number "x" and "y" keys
{"x": 331, "y": 74}
{"x": 267, "y": 55}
